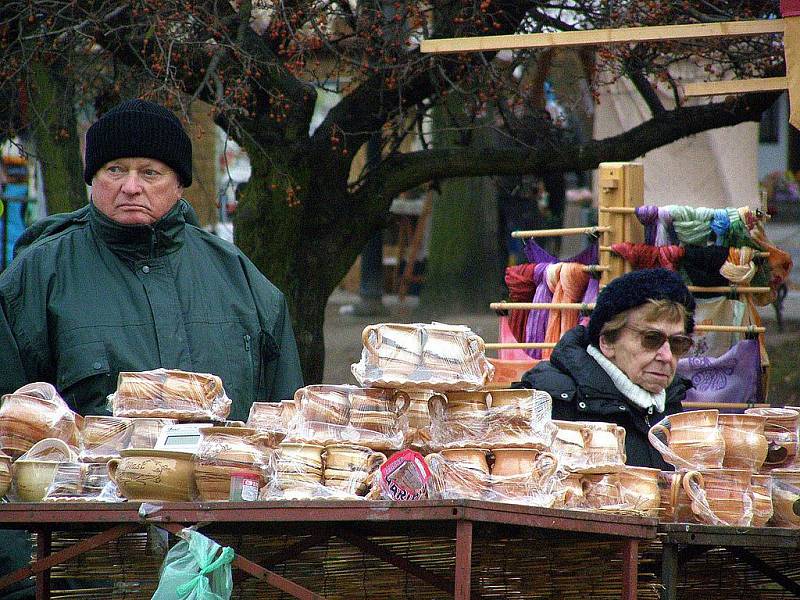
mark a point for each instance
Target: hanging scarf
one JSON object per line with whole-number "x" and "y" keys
{"x": 645, "y": 256}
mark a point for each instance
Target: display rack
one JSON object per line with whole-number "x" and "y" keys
{"x": 621, "y": 188}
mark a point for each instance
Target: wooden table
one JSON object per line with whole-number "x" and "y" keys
{"x": 684, "y": 542}
{"x": 350, "y": 520}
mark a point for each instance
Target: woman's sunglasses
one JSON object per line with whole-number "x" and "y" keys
{"x": 653, "y": 339}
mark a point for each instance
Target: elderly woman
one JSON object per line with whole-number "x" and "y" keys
{"x": 621, "y": 368}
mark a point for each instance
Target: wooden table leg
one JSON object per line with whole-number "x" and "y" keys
{"x": 630, "y": 569}
{"x": 43, "y": 548}
{"x": 463, "y": 560}
{"x": 669, "y": 571}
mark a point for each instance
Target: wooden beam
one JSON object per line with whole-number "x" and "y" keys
{"x": 734, "y": 86}
{"x": 602, "y": 36}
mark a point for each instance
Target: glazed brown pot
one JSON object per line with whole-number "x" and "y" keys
{"x": 154, "y": 475}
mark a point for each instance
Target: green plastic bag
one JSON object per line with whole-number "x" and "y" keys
{"x": 193, "y": 571}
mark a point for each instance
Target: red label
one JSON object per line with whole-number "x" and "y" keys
{"x": 404, "y": 476}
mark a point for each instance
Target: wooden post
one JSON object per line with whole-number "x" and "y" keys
{"x": 621, "y": 185}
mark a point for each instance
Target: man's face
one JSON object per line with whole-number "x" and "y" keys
{"x": 652, "y": 370}
{"x": 135, "y": 191}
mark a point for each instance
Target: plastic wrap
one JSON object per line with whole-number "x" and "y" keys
{"x": 418, "y": 434}
{"x": 762, "y": 499}
{"x": 271, "y": 418}
{"x": 103, "y": 438}
{"x": 781, "y": 431}
{"x": 147, "y": 475}
{"x": 524, "y": 476}
{"x": 298, "y": 472}
{"x": 690, "y": 440}
{"x": 350, "y": 469}
{"x": 460, "y": 473}
{"x": 633, "y": 489}
{"x": 422, "y": 357}
{"x": 746, "y": 444}
{"x": 785, "y": 498}
{"x": 170, "y": 394}
{"x": 589, "y": 446}
{"x": 488, "y": 419}
{"x": 34, "y": 412}
{"x": 708, "y": 496}
{"x": 333, "y": 414}
{"x": 223, "y": 451}
{"x": 144, "y": 433}
{"x": 82, "y": 482}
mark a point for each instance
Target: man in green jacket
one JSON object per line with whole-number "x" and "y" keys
{"x": 131, "y": 283}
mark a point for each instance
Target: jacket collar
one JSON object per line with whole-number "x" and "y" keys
{"x": 139, "y": 242}
{"x": 591, "y": 380}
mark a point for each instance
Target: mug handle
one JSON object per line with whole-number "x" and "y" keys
{"x": 436, "y": 404}
{"x": 659, "y": 428}
{"x": 405, "y": 402}
{"x": 688, "y": 478}
{"x": 365, "y": 338}
{"x": 112, "y": 469}
{"x": 548, "y": 471}
{"x": 375, "y": 460}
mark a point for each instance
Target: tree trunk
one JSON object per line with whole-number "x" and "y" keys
{"x": 305, "y": 260}
{"x": 56, "y": 134}
{"x": 464, "y": 272}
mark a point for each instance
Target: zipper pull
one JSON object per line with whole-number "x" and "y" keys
{"x": 247, "y": 342}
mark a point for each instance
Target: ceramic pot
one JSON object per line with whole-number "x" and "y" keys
{"x": 745, "y": 442}
{"x": 222, "y": 452}
{"x": 781, "y": 431}
{"x": 394, "y": 348}
{"x": 146, "y": 475}
{"x": 590, "y": 447}
{"x": 601, "y": 490}
{"x": 266, "y": 416}
{"x": 33, "y": 477}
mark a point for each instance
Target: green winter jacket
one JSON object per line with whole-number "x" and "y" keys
{"x": 86, "y": 298}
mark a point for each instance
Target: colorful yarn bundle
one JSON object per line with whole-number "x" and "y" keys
{"x": 519, "y": 280}
{"x": 537, "y": 319}
{"x": 647, "y": 256}
{"x": 568, "y": 282}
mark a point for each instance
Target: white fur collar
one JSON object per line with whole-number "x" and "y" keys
{"x": 638, "y": 395}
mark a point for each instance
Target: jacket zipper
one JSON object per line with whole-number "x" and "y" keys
{"x": 253, "y": 373}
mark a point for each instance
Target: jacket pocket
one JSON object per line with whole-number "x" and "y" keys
{"x": 81, "y": 362}
{"x": 84, "y": 377}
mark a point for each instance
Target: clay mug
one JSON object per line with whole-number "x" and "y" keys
{"x": 570, "y": 492}
{"x": 515, "y": 406}
{"x": 458, "y": 405}
{"x": 153, "y": 475}
{"x": 395, "y": 348}
{"x": 351, "y": 457}
{"x": 324, "y": 403}
{"x": 745, "y": 442}
{"x": 33, "y": 477}
{"x": 379, "y": 399}
{"x": 300, "y": 458}
{"x": 694, "y": 437}
{"x": 762, "y": 499}
{"x": 527, "y": 462}
{"x": 724, "y": 493}
{"x": 639, "y": 488}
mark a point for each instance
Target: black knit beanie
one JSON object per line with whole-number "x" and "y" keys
{"x": 138, "y": 128}
{"x": 634, "y": 289}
